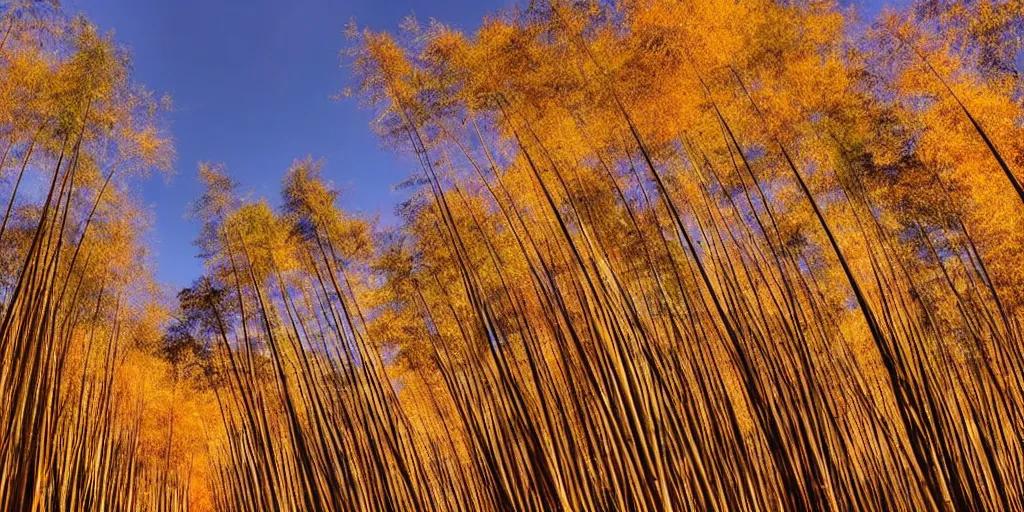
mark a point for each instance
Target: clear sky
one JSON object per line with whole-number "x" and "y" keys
{"x": 252, "y": 82}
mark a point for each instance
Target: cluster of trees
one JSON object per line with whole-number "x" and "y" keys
{"x": 85, "y": 409}
{"x": 657, "y": 255}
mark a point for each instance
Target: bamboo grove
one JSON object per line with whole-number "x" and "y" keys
{"x": 655, "y": 256}
{"x": 76, "y": 303}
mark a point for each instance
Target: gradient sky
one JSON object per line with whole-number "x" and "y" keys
{"x": 252, "y": 82}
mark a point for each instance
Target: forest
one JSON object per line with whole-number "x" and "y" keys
{"x": 656, "y": 255}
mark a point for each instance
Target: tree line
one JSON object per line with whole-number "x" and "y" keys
{"x": 655, "y": 256}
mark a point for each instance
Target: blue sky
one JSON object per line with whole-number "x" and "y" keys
{"x": 252, "y": 82}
